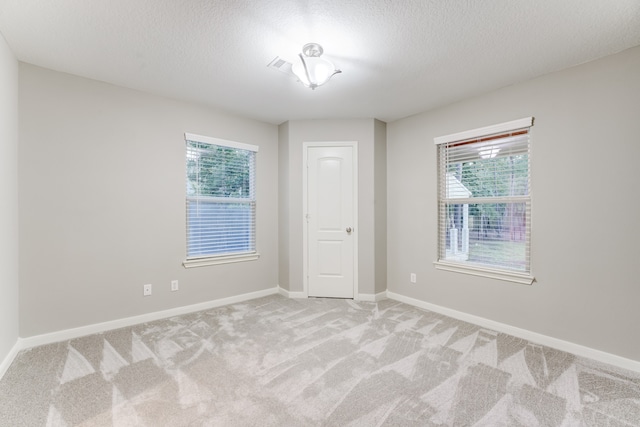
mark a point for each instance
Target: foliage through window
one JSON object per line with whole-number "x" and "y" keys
{"x": 221, "y": 197}
{"x": 484, "y": 198}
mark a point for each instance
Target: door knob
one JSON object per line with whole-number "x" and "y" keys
{"x": 348, "y": 229}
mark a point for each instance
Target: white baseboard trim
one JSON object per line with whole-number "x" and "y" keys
{"x": 8, "y": 360}
{"x": 135, "y": 320}
{"x": 577, "y": 349}
{"x": 372, "y": 297}
{"x": 289, "y": 294}
{"x": 360, "y": 297}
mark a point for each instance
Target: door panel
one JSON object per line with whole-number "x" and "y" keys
{"x": 330, "y": 212}
{"x": 329, "y": 258}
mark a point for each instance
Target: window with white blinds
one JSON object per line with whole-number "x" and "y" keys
{"x": 484, "y": 201}
{"x": 221, "y": 198}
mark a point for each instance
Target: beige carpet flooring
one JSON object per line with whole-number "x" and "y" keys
{"x": 318, "y": 362}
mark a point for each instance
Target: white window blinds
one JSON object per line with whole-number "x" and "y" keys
{"x": 484, "y": 197}
{"x": 221, "y": 197}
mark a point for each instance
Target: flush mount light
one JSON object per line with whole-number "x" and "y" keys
{"x": 311, "y": 70}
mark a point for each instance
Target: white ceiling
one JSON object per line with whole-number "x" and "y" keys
{"x": 398, "y": 57}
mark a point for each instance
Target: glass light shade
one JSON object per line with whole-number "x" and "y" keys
{"x": 319, "y": 71}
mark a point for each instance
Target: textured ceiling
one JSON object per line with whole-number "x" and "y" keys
{"x": 398, "y": 57}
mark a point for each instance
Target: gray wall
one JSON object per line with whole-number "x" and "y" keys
{"x": 9, "y": 196}
{"x": 380, "y": 205}
{"x": 585, "y": 180}
{"x": 293, "y": 134}
{"x": 102, "y": 211}
{"x": 283, "y": 206}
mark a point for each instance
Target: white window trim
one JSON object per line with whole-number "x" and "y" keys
{"x": 219, "y": 259}
{"x": 222, "y": 259}
{"x": 524, "y": 279}
{"x": 221, "y": 142}
{"x": 471, "y": 269}
{"x": 484, "y": 131}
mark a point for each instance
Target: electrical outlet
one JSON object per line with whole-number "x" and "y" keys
{"x": 413, "y": 277}
{"x": 146, "y": 290}
{"x": 174, "y": 285}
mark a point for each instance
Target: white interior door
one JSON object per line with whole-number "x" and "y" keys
{"x": 331, "y": 212}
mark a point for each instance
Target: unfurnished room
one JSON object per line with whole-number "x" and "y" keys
{"x": 319, "y": 213}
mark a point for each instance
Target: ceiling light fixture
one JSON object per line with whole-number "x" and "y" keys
{"x": 311, "y": 70}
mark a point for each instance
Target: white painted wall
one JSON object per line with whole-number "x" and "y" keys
{"x": 293, "y": 134}
{"x": 585, "y": 180}
{"x": 9, "y": 196}
{"x": 102, "y": 210}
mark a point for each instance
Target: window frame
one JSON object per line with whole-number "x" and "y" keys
{"x": 461, "y": 266}
{"x": 227, "y": 257}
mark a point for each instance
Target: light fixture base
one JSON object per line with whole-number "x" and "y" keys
{"x": 313, "y": 50}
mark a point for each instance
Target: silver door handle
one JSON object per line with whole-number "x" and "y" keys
{"x": 348, "y": 229}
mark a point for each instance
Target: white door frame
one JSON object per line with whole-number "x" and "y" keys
{"x": 305, "y": 196}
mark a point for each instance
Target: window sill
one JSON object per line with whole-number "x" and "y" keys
{"x": 215, "y": 260}
{"x": 522, "y": 278}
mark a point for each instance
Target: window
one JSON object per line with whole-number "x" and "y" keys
{"x": 221, "y": 201}
{"x": 484, "y": 201}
